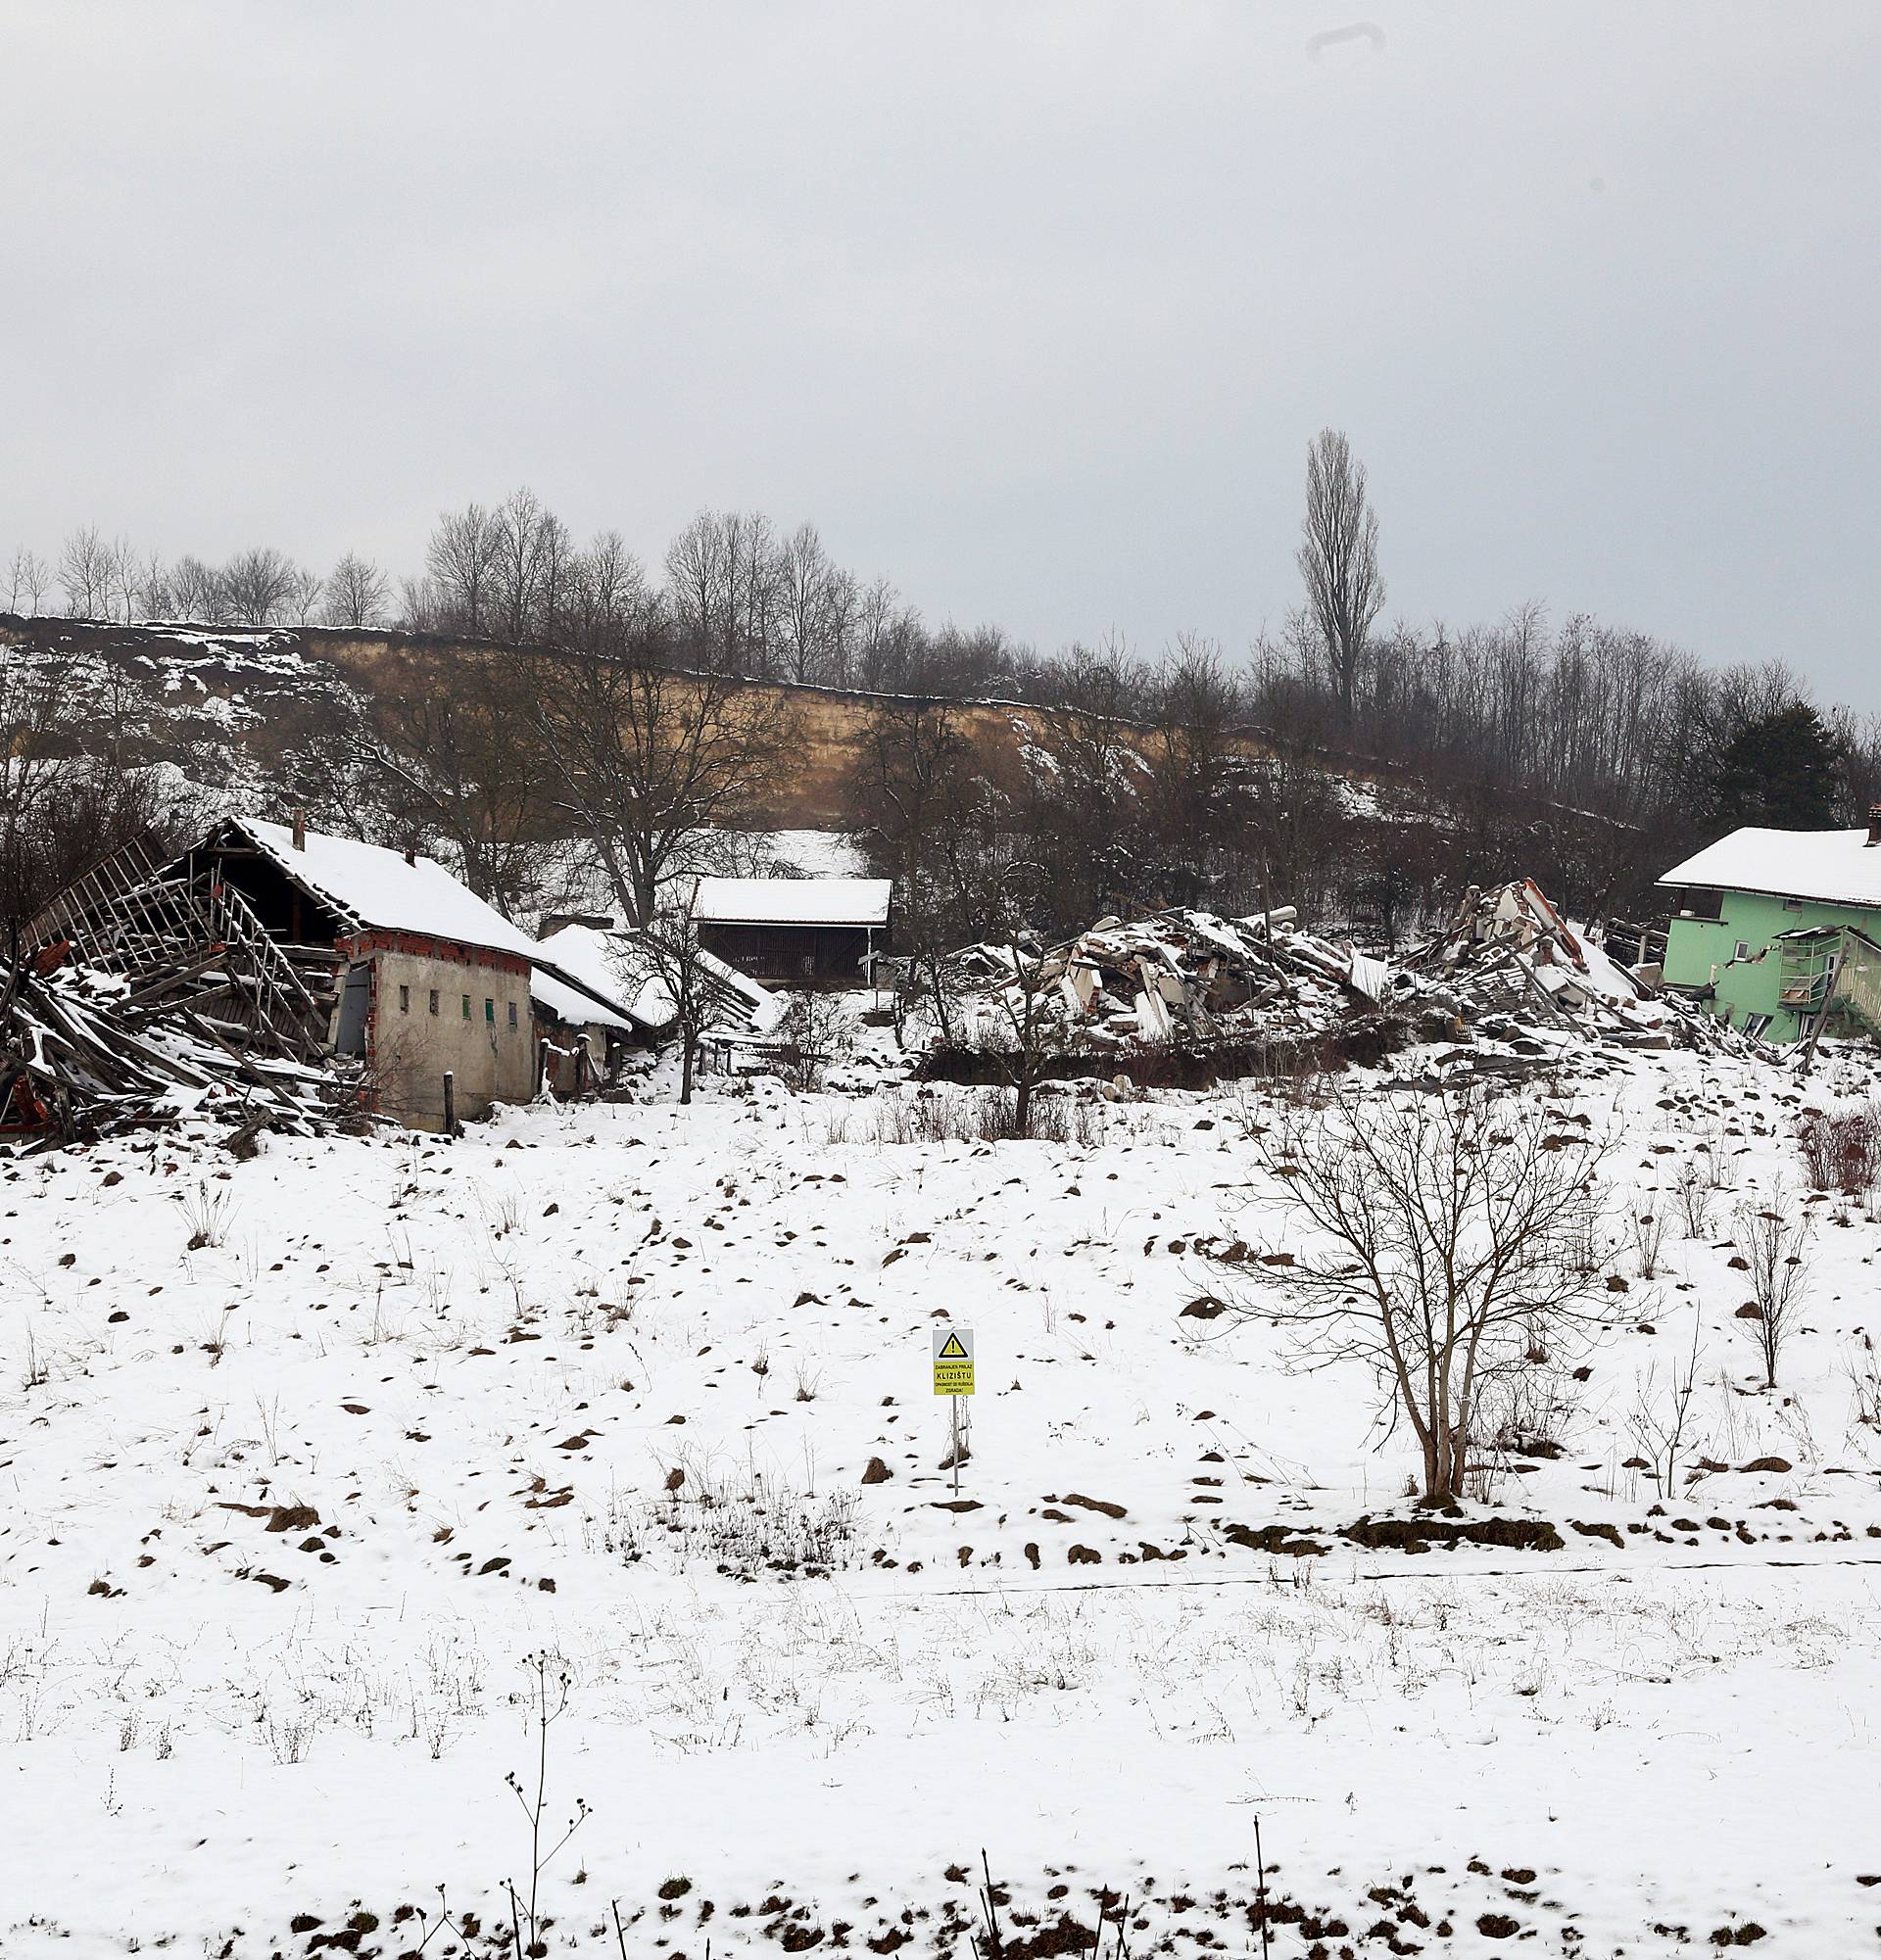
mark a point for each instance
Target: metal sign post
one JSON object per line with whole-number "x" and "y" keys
{"x": 953, "y": 1378}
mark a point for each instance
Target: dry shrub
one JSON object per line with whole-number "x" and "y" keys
{"x": 1841, "y": 1149}
{"x": 976, "y": 1116}
{"x": 746, "y": 1527}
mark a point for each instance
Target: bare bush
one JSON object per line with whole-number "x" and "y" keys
{"x": 1526, "y": 1413}
{"x": 819, "y": 1031}
{"x": 547, "y": 1686}
{"x": 1720, "y": 1157}
{"x": 1455, "y": 1247}
{"x": 1660, "y": 1419}
{"x": 971, "y": 1115}
{"x": 1649, "y": 1235}
{"x": 1694, "y": 1193}
{"x": 208, "y": 1213}
{"x": 1773, "y": 1244}
{"x": 1864, "y": 1379}
{"x": 1841, "y": 1150}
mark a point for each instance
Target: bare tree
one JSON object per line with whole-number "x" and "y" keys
{"x": 421, "y": 607}
{"x": 155, "y": 594}
{"x": 1773, "y": 1242}
{"x": 1085, "y": 799}
{"x": 356, "y": 593}
{"x": 463, "y": 559}
{"x": 39, "y": 725}
{"x": 450, "y": 747}
{"x": 198, "y": 592}
{"x": 885, "y": 637}
{"x": 668, "y": 942}
{"x": 1022, "y": 1023}
{"x": 60, "y": 810}
{"x": 1338, "y": 558}
{"x": 258, "y": 585}
{"x": 526, "y": 541}
{"x": 27, "y": 577}
{"x": 650, "y": 763}
{"x": 1196, "y": 789}
{"x": 608, "y": 597}
{"x": 84, "y": 573}
{"x": 1455, "y": 1245}
{"x": 558, "y": 573}
{"x": 123, "y": 577}
{"x": 918, "y": 794}
{"x": 722, "y": 591}
{"x": 305, "y": 594}
{"x": 74, "y": 819}
{"x": 816, "y": 605}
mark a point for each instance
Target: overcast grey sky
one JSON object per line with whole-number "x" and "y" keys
{"x": 1032, "y": 306}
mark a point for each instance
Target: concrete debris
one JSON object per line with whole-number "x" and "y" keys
{"x": 1508, "y": 987}
{"x": 1170, "y": 980}
{"x": 1510, "y": 970}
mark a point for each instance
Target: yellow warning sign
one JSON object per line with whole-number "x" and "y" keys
{"x": 952, "y": 1360}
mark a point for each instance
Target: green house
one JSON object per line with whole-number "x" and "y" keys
{"x": 1775, "y": 928}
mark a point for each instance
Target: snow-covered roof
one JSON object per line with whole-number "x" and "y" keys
{"x": 634, "y": 969}
{"x": 371, "y": 885}
{"x": 793, "y": 901}
{"x": 1832, "y": 867}
{"x": 581, "y": 954}
{"x": 572, "y": 1005}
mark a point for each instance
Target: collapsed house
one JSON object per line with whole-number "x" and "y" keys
{"x": 321, "y": 972}
{"x": 141, "y": 995}
{"x": 1509, "y": 969}
{"x": 1174, "y": 980}
{"x": 1779, "y": 932}
{"x": 1509, "y": 985}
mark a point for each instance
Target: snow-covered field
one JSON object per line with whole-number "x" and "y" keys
{"x": 286, "y": 1510}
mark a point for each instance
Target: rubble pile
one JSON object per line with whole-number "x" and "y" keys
{"x": 1175, "y": 979}
{"x": 1508, "y": 988}
{"x": 145, "y": 996}
{"x": 1510, "y": 970}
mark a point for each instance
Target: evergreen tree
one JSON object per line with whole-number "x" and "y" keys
{"x": 1783, "y": 770}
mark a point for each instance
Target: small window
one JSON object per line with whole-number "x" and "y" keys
{"x": 405, "y": 1000}
{"x": 466, "y": 1007}
{"x": 434, "y": 1000}
{"x": 490, "y": 1013}
{"x": 1755, "y": 1023}
{"x": 1743, "y": 950}
{"x": 512, "y": 1014}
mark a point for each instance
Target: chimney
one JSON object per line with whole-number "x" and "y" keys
{"x": 410, "y": 854}
{"x": 1874, "y": 825}
{"x": 300, "y": 830}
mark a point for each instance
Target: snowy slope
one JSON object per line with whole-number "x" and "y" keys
{"x": 285, "y": 1510}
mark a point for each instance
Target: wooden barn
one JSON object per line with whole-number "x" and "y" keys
{"x": 796, "y": 932}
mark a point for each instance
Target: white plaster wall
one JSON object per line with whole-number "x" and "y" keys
{"x": 413, "y": 1047}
